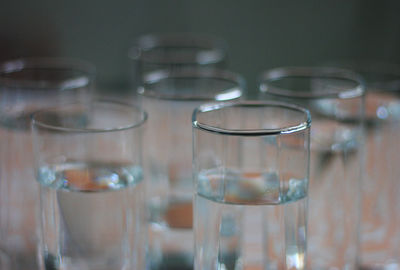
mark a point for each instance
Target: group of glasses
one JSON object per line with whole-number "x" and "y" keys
{"x": 185, "y": 172}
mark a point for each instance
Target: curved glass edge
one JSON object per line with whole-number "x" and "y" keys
{"x": 20, "y": 64}
{"x": 374, "y": 72}
{"x": 42, "y": 125}
{"x": 317, "y": 72}
{"x": 196, "y": 40}
{"x": 196, "y": 73}
{"x": 251, "y": 132}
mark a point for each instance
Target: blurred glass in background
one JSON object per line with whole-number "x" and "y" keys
{"x": 335, "y": 100}
{"x": 174, "y": 51}
{"x": 27, "y": 85}
{"x": 380, "y": 220}
{"x": 169, "y": 97}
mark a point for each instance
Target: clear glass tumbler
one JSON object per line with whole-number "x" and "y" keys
{"x": 173, "y": 51}
{"x": 380, "y": 223}
{"x": 251, "y": 166}
{"x": 27, "y": 85}
{"x": 88, "y": 163}
{"x": 335, "y": 100}
{"x": 170, "y": 98}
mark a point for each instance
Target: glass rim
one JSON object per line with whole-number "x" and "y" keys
{"x": 281, "y": 73}
{"x": 372, "y": 67}
{"x": 87, "y": 69}
{"x": 158, "y": 76}
{"x": 148, "y": 42}
{"x": 35, "y": 122}
{"x": 251, "y": 132}
{"x": 366, "y": 65}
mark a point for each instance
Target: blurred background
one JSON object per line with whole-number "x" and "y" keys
{"x": 260, "y": 33}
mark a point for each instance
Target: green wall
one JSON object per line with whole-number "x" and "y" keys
{"x": 261, "y": 34}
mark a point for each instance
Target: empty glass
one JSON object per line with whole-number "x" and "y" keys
{"x": 89, "y": 166}
{"x": 251, "y": 166}
{"x": 170, "y": 98}
{"x": 174, "y": 51}
{"x": 27, "y": 85}
{"x": 335, "y": 100}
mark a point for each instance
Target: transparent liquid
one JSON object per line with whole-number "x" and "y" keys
{"x": 253, "y": 223}
{"x": 92, "y": 216}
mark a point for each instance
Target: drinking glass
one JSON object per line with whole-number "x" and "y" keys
{"x": 89, "y": 166}
{"x": 174, "y": 51}
{"x": 335, "y": 100}
{"x": 251, "y": 166}
{"x": 380, "y": 223}
{"x": 25, "y": 86}
{"x": 170, "y": 98}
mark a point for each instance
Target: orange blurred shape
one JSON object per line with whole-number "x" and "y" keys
{"x": 82, "y": 180}
{"x": 180, "y": 215}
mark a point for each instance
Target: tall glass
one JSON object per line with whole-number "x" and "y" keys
{"x": 27, "y": 85}
{"x": 251, "y": 166}
{"x": 89, "y": 166}
{"x": 170, "y": 98}
{"x": 380, "y": 223}
{"x": 335, "y": 100}
{"x": 173, "y": 51}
